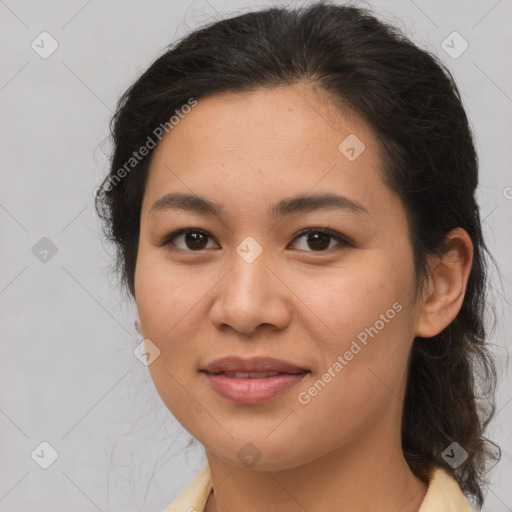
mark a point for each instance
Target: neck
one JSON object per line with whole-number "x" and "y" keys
{"x": 369, "y": 474}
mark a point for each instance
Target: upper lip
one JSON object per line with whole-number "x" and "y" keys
{"x": 253, "y": 364}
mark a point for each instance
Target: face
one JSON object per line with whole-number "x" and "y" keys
{"x": 323, "y": 286}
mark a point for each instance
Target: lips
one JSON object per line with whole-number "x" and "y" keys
{"x": 252, "y": 365}
{"x": 252, "y": 381}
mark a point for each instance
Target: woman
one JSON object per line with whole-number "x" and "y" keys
{"x": 292, "y": 195}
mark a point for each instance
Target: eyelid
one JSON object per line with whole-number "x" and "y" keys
{"x": 343, "y": 240}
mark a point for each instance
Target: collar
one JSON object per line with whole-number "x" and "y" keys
{"x": 443, "y": 495}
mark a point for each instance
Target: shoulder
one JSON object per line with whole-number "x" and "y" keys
{"x": 193, "y": 498}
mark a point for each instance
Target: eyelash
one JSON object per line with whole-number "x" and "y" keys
{"x": 342, "y": 240}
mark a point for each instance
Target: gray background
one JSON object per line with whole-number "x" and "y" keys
{"x": 68, "y": 374}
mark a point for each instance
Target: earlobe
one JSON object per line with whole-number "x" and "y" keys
{"x": 448, "y": 278}
{"x": 137, "y": 325}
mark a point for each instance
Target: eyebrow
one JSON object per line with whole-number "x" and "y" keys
{"x": 287, "y": 206}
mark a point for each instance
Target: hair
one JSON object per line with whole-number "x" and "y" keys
{"x": 411, "y": 102}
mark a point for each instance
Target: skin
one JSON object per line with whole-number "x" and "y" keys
{"x": 341, "y": 451}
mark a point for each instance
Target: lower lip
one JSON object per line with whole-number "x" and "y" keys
{"x": 253, "y": 391}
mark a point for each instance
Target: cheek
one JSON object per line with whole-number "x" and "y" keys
{"x": 371, "y": 328}
{"x": 165, "y": 294}
{"x": 363, "y": 378}
{"x": 173, "y": 306}
{"x": 364, "y": 294}
{"x": 163, "y": 298}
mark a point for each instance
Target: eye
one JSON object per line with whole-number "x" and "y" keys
{"x": 319, "y": 239}
{"x": 192, "y": 239}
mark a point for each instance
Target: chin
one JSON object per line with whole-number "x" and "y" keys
{"x": 263, "y": 454}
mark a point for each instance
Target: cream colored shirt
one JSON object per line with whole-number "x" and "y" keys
{"x": 443, "y": 495}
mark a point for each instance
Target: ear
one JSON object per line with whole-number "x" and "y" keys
{"x": 447, "y": 281}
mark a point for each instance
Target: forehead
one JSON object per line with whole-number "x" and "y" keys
{"x": 267, "y": 122}
{"x": 273, "y": 142}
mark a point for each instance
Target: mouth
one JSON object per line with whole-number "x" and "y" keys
{"x": 251, "y": 375}
{"x": 252, "y": 381}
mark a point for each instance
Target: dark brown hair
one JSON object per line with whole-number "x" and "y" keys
{"x": 410, "y": 101}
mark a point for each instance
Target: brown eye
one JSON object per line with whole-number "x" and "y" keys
{"x": 188, "y": 240}
{"x": 314, "y": 240}
{"x": 319, "y": 240}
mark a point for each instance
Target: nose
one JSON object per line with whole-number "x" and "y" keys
{"x": 251, "y": 296}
